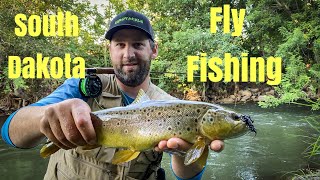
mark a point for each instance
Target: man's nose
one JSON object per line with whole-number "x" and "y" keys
{"x": 129, "y": 52}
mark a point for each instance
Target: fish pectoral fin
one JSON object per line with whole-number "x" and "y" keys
{"x": 202, "y": 161}
{"x": 196, "y": 151}
{"x": 124, "y": 156}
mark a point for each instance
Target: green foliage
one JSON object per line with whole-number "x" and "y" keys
{"x": 297, "y": 80}
{"x": 298, "y": 44}
{"x": 192, "y": 42}
{"x": 86, "y": 45}
{"x": 314, "y": 148}
{"x": 289, "y": 29}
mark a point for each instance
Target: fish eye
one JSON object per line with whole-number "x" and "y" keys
{"x": 235, "y": 116}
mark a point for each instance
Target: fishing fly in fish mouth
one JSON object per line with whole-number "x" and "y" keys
{"x": 143, "y": 124}
{"x": 249, "y": 122}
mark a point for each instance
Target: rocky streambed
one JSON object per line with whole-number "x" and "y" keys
{"x": 248, "y": 95}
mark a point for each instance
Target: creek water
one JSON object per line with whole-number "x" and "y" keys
{"x": 276, "y": 152}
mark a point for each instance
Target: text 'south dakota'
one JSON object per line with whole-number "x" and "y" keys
{"x": 227, "y": 69}
{"x": 63, "y": 25}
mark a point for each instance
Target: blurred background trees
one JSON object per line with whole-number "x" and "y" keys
{"x": 289, "y": 29}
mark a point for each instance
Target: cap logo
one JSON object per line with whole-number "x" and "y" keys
{"x": 126, "y": 18}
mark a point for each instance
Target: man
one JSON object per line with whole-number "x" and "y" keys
{"x": 64, "y": 116}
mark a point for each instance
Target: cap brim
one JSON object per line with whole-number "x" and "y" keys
{"x": 110, "y": 32}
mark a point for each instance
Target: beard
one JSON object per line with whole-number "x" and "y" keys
{"x": 133, "y": 78}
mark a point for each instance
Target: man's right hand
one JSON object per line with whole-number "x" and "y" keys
{"x": 68, "y": 124}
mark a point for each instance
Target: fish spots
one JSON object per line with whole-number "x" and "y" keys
{"x": 211, "y": 119}
{"x": 148, "y": 120}
{"x": 188, "y": 128}
{"x": 180, "y": 133}
{"x": 198, "y": 110}
{"x": 178, "y": 111}
{"x": 118, "y": 123}
{"x": 203, "y": 120}
{"x": 126, "y": 131}
{"x": 160, "y": 124}
{"x": 159, "y": 113}
{"x": 195, "y": 120}
{"x": 169, "y": 128}
{"x": 178, "y": 123}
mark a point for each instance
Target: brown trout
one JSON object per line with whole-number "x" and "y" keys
{"x": 143, "y": 124}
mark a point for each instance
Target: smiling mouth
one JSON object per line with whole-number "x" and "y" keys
{"x": 131, "y": 64}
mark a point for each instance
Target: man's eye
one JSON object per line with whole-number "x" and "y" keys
{"x": 138, "y": 44}
{"x": 120, "y": 44}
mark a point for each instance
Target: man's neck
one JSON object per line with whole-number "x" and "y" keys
{"x": 133, "y": 91}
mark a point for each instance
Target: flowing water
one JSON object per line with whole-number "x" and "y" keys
{"x": 276, "y": 152}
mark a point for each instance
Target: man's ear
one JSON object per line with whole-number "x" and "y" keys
{"x": 155, "y": 51}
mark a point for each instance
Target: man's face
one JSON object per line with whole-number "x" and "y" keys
{"x": 131, "y": 56}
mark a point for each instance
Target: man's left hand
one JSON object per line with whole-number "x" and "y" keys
{"x": 181, "y": 145}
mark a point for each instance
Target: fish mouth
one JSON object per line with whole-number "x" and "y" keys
{"x": 249, "y": 123}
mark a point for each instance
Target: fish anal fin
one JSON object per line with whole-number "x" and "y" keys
{"x": 122, "y": 156}
{"x": 196, "y": 151}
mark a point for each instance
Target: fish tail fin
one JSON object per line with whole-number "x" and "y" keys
{"x": 48, "y": 149}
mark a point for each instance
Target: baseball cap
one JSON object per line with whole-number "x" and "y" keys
{"x": 130, "y": 19}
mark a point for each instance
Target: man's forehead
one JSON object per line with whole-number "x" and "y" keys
{"x": 129, "y": 34}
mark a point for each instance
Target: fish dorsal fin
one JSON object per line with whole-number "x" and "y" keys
{"x": 142, "y": 96}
